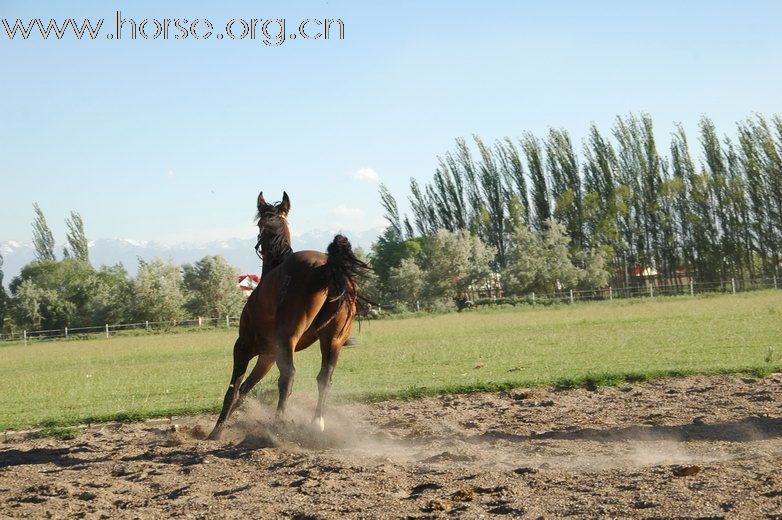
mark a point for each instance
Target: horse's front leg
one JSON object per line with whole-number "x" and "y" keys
{"x": 287, "y": 370}
{"x": 242, "y": 355}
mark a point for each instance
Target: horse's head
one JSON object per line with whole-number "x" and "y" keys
{"x": 273, "y": 232}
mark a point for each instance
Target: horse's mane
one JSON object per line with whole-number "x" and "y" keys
{"x": 273, "y": 244}
{"x": 275, "y": 251}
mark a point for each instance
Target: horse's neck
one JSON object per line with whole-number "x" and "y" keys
{"x": 274, "y": 252}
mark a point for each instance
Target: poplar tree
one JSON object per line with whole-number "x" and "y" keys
{"x": 541, "y": 204}
{"x": 761, "y": 226}
{"x": 565, "y": 182}
{"x": 77, "y": 239}
{"x": 494, "y": 214}
{"x": 600, "y": 200}
{"x": 43, "y": 240}
{"x": 391, "y": 210}
{"x": 513, "y": 175}
{"x": 770, "y": 152}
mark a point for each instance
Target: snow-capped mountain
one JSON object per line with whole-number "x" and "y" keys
{"x": 238, "y": 252}
{"x": 15, "y": 256}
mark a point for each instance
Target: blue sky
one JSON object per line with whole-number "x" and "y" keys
{"x": 171, "y": 140}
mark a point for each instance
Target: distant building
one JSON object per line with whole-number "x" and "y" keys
{"x": 645, "y": 272}
{"x": 248, "y": 283}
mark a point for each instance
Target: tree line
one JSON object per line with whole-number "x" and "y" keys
{"x": 53, "y": 294}
{"x": 532, "y": 214}
{"x": 618, "y": 212}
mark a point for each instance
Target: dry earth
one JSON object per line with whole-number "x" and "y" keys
{"x": 699, "y": 447}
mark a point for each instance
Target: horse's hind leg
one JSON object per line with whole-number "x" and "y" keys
{"x": 329, "y": 351}
{"x": 285, "y": 351}
{"x": 260, "y": 369}
{"x": 242, "y": 355}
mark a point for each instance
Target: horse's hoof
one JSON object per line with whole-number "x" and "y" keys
{"x": 319, "y": 424}
{"x": 281, "y": 423}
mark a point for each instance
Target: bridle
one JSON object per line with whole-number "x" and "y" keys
{"x": 258, "y": 245}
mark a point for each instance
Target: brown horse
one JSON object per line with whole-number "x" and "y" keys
{"x": 303, "y": 297}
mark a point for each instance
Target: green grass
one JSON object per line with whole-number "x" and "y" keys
{"x": 57, "y": 384}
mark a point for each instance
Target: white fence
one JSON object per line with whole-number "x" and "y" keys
{"x": 111, "y": 330}
{"x": 730, "y": 286}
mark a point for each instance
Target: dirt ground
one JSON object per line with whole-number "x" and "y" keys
{"x": 700, "y": 447}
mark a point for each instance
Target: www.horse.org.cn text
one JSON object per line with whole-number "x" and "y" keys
{"x": 271, "y": 32}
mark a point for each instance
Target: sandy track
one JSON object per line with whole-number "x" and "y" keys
{"x": 700, "y": 447}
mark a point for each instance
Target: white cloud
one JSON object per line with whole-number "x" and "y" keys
{"x": 366, "y": 175}
{"x": 344, "y": 211}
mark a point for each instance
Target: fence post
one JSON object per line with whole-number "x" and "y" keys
{"x": 775, "y": 281}
{"x": 533, "y": 297}
{"x": 571, "y": 295}
{"x": 146, "y": 325}
{"x": 610, "y": 293}
{"x": 733, "y": 285}
{"x": 25, "y": 338}
{"x": 651, "y": 290}
{"x": 66, "y": 332}
{"x": 227, "y": 321}
{"x": 200, "y": 321}
{"x": 107, "y": 330}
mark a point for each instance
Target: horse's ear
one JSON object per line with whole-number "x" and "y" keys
{"x": 261, "y": 200}
{"x": 285, "y": 205}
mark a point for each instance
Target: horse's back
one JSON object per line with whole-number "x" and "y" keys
{"x": 307, "y": 259}
{"x": 305, "y": 270}
{"x": 300, "y": 276}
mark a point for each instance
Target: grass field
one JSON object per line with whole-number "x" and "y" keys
{"x": 67, "y": 382}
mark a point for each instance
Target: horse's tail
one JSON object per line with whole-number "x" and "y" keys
{"x": 343, "y": 270}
